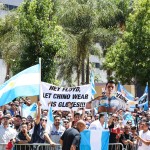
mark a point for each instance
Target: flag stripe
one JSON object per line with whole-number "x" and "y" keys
{"x": 104, "y": 143}
{"x": 85, "y": 140}
{"x": 31, "y": 79}
{"x": 26, "y": 90}
{"x": 95, "y": 139}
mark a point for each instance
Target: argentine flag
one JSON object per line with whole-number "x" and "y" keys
{"x": 143, "y": 100}
{"x": 93, "y": 91}
{"x": 25, "y": 83}
{"x": 94, "y": 140}
{"x": 50, "y": 119}
{"x": 29, "y": 110}
{"x": 125, "y": 93}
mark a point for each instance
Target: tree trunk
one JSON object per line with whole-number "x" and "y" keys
{"x": 7, "y": 72}
{"x": 78, "y": 75}
{"x": 87, "y": 71}
{"x": 83, "y": 71}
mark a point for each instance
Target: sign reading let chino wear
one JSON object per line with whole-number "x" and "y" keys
{"x": 63, "y": 97}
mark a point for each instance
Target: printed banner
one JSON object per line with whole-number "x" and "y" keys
{"x": 62, "y": 98}
{"x": 110, "y": 104}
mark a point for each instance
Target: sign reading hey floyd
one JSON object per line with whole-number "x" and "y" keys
{"x": 64, "y": 97}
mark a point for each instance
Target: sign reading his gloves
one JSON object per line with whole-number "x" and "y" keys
{"x": 63, "y": 97}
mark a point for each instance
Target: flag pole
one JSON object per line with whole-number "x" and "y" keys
{"x": 40, "y": 79}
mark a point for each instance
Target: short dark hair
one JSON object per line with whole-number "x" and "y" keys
{"x": 101, "y": 115}
{"x": 18, "y": 116}
{"x": 77, "y": 114}
{"x": 111, "y": 82}
{"x": 45, "y": 110}
{"x": 133, "y": 128}
{"x": 56, "y": 116}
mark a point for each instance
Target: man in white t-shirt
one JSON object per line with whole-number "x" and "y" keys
{"x": 55, "y": 130}
{"x": 98, "y": 124}
{"x": 144, "y": 137}
{"x": 6, "y": 133}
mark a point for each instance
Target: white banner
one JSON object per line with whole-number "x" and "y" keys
{"x": 63, "y": 97}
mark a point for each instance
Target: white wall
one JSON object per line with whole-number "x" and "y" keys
{"x": 12, "y": 2}
{"x": 2, "y": 71}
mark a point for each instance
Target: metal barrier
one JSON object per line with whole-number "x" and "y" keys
{"x": 37, "y": 146}
{"x": 116, "y": 146}
{"x": 45, "y": 146}
{"x": 133, "y": 147}
{"x": 3, "y": 146}
{"x": 33, "y": 146}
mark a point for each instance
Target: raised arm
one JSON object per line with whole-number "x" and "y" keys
{"x": 38, "y": 113}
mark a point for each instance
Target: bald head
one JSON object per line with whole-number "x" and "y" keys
{"x": 81, "y": 125}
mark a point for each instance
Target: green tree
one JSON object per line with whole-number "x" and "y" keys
{"x": 38, "y": 25}
{"x": 129, "y": 56}
{"x": 10, "y": 41}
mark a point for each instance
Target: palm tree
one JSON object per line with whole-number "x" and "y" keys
{"x": 84, "y": 21}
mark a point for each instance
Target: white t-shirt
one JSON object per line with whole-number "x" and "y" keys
{"x": 96, "y": 125}
{"x": 6, "y": 134}
{"x": 145, "y": 136}
{"x": 54, "y": 133}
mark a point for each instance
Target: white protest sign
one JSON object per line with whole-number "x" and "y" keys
{"x": 61, "y": 97}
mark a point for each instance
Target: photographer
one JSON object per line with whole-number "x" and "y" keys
{"x": 23, "y": 137}
{"x": 144, "y": 137}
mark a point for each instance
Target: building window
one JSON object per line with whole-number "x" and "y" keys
{"x": 97, "y": 65}
{"x": 10, "y": 7}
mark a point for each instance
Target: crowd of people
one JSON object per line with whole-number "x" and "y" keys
{"x": 65, "y": 130}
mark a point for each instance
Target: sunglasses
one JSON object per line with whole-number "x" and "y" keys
{"x": 44, "y": 120}
{"x": 66, "y": 122}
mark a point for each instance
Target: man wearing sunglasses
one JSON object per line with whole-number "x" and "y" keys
{"x": 66, "y": 123}
{"x": 70, "y": 139}
{"x": 39, "y": 134}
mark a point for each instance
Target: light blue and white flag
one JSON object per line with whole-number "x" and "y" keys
{"x": 25, "y": 83}
{"x": 124, "y": 92}
{"x": 128, "y": 117}
{"x": 143, "y": 100}
{"x": 50, "y": 118}
{"x": 93, "y": 91}
{"x": 128, "y": 96}
{"x": 29, "y": 111}
{"x": 94, "y": 140}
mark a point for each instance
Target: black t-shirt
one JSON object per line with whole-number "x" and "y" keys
{"x": 38, "y": 134}
{"x": 126, "y": 137}
{"x": 20, "y": 137}
{"x": 112, "y": 137}
{"x": 70, "y": 137}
